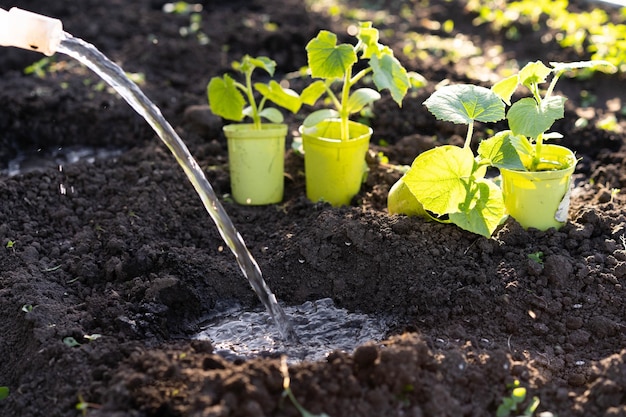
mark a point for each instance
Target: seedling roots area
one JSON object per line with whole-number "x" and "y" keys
{"x": 108, "y": 265}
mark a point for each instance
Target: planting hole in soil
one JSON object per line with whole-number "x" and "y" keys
{"x": 321, "y": 328}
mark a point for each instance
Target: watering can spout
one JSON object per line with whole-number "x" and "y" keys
{"x": 31, "y": 31}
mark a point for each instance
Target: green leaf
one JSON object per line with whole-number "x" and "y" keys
{"x": 438, "y": 178}
{"x": 319, "y": 116}
{"x": 361, "y": 98}
{"x": 464, "y": 103}
{"x": 400, "y": 200}
{"x": 327, "y": 59}
{"x": 506, "y": 150}
{"x": 389, "y": 73}
{"x": 272, "y": 114}
{"x": 4, "y": 392}
{"x": 313, "y": 92}
{"x": 417, "y": 80}
{"x": 248, "y": 64}
{"x": 601, "y": 65}
{"x": 225, "y": 99}
{"x": 534, "y": 73}
{"x": 506, "y": 87}
{"x": 485, "y": 212}
{"x": 368, "y": 35}
{"x": 530, "y": 119}
{"x": 279, "y": 95}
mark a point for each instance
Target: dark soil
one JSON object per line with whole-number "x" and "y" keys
{"x": 121, "y": 247}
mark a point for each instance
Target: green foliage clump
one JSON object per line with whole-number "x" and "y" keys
{"x": 591, "y": 34}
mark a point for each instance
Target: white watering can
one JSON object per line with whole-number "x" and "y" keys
{"x": 30, "y": 31}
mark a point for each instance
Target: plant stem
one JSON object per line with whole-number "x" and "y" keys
{"x": 537, "y": 157}
{"x": 256, "y": 119}
{"x": 468, "y": 137}
{"x": 344, "y": 113}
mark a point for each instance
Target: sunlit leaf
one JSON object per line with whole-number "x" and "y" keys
{"x": 389, "y": 73}
{"x": 326, "y": 58}
{"x": 506, "y": 150}
{"x": 438, "y": 178}
{"x": 272, "y": 114}
{"x": 506, "y": 87}
{"x": 319, "y": 116}
{"x": 361, "y": 98}
{"x": 283, "y": 97}
{"x": 529, "y": 119}
{"x": 486, "y": 211}
{"x": 313, "y": 92}
{"x": 534, "y": 73}
{"x": 464, "y": 103}
{"x": 225, "y": 99}
{"x": 248, "y": 64}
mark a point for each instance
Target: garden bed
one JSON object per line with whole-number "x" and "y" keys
{"x": 118, "y": 253}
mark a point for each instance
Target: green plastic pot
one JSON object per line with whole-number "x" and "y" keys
{"x": 256, "y": 159}
{"x": 334, "y": 169}
{"x": 540, "y": 199}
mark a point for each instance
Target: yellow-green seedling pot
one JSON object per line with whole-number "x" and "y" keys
{"x": 541, "y": 199}
{"x": 334, "y": 169}
{"x": 256, "y": 159}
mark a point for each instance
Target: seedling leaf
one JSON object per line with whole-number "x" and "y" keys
{"x": 272, "y": 114}
{"x": 284, "y": 97}
{"x": 390, "y": 74}
{"x": 225, "y": 99}
{"x": 506, "y": 87}
{"x": 534, "y": 73}
{"x": 4, "y": 392}
{"x": 313, "y": 92}
{"x": 319, "y": 116}
{"x": 326, "y": 58}
{"x": 530, "y": 119}
{"x": 248, "y": 63}
{"x": 438, "y": 178}
{"x": 505, "y": 150}
{"x": 464, "y": 103}
{"x": 486, "y": 210}
{"x": 361, "y": 98}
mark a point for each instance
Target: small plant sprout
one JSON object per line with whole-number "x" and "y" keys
{"x": 27, "y": 308}
{"x": 536, "y": 256}
{"x": 4, "y": 392}
{"x": 336, "y": 63}
{"x": 83, "y": 405}
{"x": 530, "y": 118}
{"x": 234, "y": 100}
{"x": 289, "y": 394}
{"x": 448, "y": 181}
{"x": 510, "y": 405}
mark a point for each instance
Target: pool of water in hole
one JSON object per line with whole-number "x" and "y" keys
{"x": 320, "y": 326}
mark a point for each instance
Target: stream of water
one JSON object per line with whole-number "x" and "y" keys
{"x": 113, "y": 75}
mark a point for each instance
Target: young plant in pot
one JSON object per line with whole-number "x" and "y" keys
{"x": 335, "y": 146}
{"x": 256, "y": 150}
{"x": 448, "y": 184}
{"x": 536, "y": 177}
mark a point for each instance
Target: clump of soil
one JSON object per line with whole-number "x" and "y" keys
{"x": 109, "y": 266}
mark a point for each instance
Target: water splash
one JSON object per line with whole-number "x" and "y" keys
{"x": 113, "y": 75}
